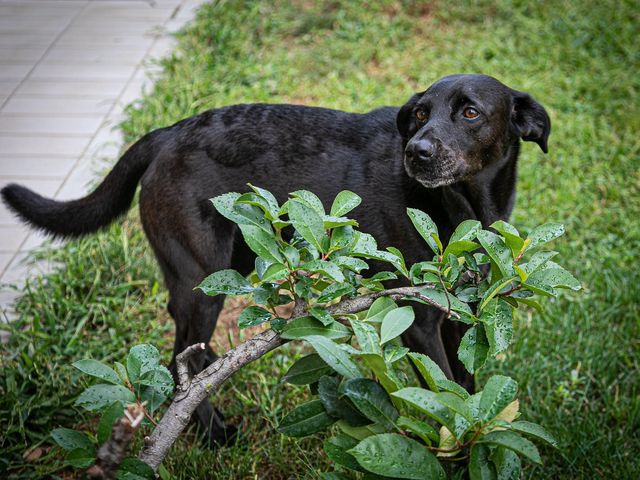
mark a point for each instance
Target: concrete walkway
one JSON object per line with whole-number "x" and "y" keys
{"x": 67, "y": 69}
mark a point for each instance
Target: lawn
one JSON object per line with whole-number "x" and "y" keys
{"x": 577, "y": 363}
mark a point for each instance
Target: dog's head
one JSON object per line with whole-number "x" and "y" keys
{"x": 465, "y": 123}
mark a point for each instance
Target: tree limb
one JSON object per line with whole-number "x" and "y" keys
{"x": 177, "y": 416}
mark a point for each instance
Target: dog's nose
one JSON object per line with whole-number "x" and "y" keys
{"x": 421, "y": 150}
{"x": 424, "y": 149}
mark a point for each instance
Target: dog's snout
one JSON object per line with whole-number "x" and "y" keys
{"x": 421, "y": 150}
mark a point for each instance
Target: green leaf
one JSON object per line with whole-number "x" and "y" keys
{"x": 455, "y": 403}
{"x": 99, "y": 396}
{"x": 227, "y": 282}
{"x": 109, "y": 417}
{"x": 158, "y": 378}
{"x": 537, "y": 260}
{"x": 68, "y": 439}
{"x": 474, "y": 348}
{"x": 451, "y": 386}
{"x": 305, "y": 419}
{"x": 554, "y": 276}
{"x": 99, "y": 370}
{"x": 400, "y": 263}
{"x": 496, "y": 288}
{"x": 304, "y": 326}
{"x": 530, "y": 303}
{"x": 497, "y": 318}
{"x": 330, "y": 222}
{"x": 334, "y": 356}
{"x": 480, "y": 467}
{"x": 422, "y": 429}
{"x": 379, "y": 309}
{"x": 81, "y": 458}
{"x": 457, "y": 248}
{"x": 334, "y": 291}
{"x": 261, "y": 243}
{"x": 395, "y": 322}
{"x": 328, "y": 269}
{"x": 393, "y": 455}
{"x": 393, "y": 353}
{"x": 360, "y": 433}
{"x": 427, "y": 402}
{"x": 275, "y": 271}
{"x": 344, "y": 202}
{"x": 252, "y": 316}
{"x": 429, "y": 370}
{"x": 354, "y": 264}
{"x": 497, "y": 251}
{"x": 341, "y": 237}
{"x": 364, "y": 244}
{"x": 466, "y": 230}
{"x": 252, "y": 213}
{"x": 371, "y": 400}
{"x": 122, "y": 372}
{"x": 310, "y": 200}
{"x": 507, "y": 464}
{"x": 322, "y": 315}
{"x": 225, "y": 204}
{"x": 425, "y": 227}
{"x": 337, "y": 406}
{"x": 336, "y": 449}
{"x": 511, "y": 236}
{"x": 545, "y": 233}
{"x": 307, "y": 223}
{"x": 271, "y": 202}
{"x": 513, "y": 441}
{"x": 384, "y": 373}
{"x": 498, "y": 392}
{"x": 134, "y": 469}
{"x": 367, "y": 336}
{"x": 293, "y": 256}
{"x": 143, "y": 358}
{"x": 534, "y": 430}
{"x": 308, "y": 369}
{"x": 383, "y": 277}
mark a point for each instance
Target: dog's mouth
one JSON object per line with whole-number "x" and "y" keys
{"x": 435, "y": 173}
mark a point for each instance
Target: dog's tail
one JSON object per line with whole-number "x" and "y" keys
{"x": 75, "y": 218}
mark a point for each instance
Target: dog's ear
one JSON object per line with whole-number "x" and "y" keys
{"x": 530, "y": 119}
{"x": 404, "y": 120}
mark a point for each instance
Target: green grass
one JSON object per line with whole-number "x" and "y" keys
{"x": 577, "y": 364}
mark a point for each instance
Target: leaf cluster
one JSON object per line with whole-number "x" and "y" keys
{"x": 387, "y": 426}
{"x": 140, "y": 380}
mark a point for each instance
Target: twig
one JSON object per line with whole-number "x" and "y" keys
{"x": 114, "y": 450}
{"x": 446, "y": 294}
{"x": 182, "y": 365}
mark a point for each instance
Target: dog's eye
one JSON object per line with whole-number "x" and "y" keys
{"x": 470, "y": 113}
{"x": 421, "y": 116}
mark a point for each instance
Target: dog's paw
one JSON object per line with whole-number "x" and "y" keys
{"x": 222, "y": 437}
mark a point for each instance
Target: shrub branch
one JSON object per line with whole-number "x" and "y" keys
{"x": 193, "y": 390}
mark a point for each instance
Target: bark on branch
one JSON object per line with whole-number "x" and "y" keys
{"x": 114, "y": 450}
{"x": 192, "y": 390}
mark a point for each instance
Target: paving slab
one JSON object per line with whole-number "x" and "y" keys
{"x": 67, "y": 69}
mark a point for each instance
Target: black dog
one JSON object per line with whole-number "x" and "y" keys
{"x": 450, "y": 151}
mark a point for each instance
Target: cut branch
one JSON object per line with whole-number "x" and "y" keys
{"x": 114, "y": 450}
{"x": 182, "y": 365}
{"x": 199, "y": 386}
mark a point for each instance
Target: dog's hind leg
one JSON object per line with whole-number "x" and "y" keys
{"x": 194, "y": 313}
